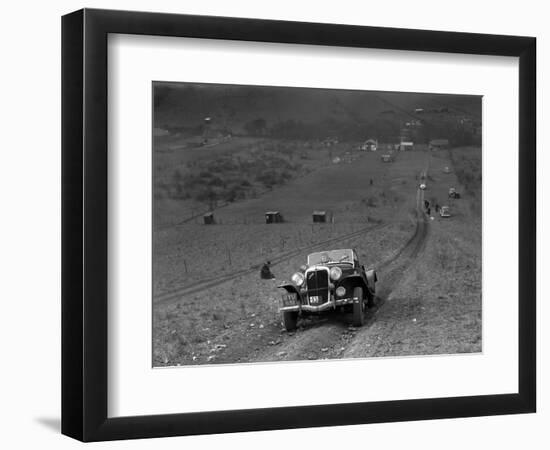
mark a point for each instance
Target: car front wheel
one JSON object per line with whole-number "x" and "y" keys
{"x": 358, "y": 316}
{"x": 290, "y": 318}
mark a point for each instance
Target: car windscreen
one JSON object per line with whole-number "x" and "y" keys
{"x": 331, "y": 256}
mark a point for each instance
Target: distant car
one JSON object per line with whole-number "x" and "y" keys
{"x": 453, "y": 193}
{"x": 330, "y": 280}
{"x": 444, "y": 211}
{"x": 422, "y": 186}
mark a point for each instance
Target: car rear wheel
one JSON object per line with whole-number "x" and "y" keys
{"x": 290, "y": 318}
{"x": 358, "y": 316}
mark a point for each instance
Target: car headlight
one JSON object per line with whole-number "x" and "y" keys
{"x": 298, "y": 279}
{"x": 340, "y": 291}
{"x": 335, "y": 273}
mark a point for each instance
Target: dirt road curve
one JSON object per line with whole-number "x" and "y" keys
{"x": 394, "y": 266}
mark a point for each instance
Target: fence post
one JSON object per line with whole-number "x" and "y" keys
{"x": 228, "y": 255}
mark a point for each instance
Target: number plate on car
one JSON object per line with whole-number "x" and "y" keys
{"x": 290, "y": 299}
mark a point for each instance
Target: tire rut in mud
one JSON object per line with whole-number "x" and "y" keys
{"x": 396, "y": 265}
{"x": 395, "y": 268}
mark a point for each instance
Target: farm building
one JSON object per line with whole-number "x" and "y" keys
{"x": 209, "y": 218}
{"x": 273, "y": 217}
{"x": 329, "y": 142}
{"x": 370, "y": 145}
{"x": 439, "y": 144}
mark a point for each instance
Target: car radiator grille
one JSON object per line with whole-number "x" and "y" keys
{"x": 317, "y": 286}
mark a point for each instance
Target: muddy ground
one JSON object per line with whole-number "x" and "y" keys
{"x": 212, "y": 307}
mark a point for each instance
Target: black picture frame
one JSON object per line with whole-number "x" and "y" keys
{"x": 84, "y": 224}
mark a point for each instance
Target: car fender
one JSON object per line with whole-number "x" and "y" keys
{"x": 290, "y": 288}
{"x": 354, "y": 280}
{"x": 372, "y": 278}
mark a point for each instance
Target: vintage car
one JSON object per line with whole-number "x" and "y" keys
{"x": 330, "y": 280}
{"x": 444, "y": 211}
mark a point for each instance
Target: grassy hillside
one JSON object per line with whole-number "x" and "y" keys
{"x": 305, "y": 113}
{"x": 467, "y": 165}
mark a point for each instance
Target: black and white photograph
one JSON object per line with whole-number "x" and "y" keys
{"x": 297, "y": 224}
{"x": 253, "y": 225}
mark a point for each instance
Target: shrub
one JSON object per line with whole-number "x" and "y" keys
{"x": 371, "y": 201}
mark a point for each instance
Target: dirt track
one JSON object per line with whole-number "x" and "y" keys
{"x": 428, "y": 294}
{"x": 394, "y": 266}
